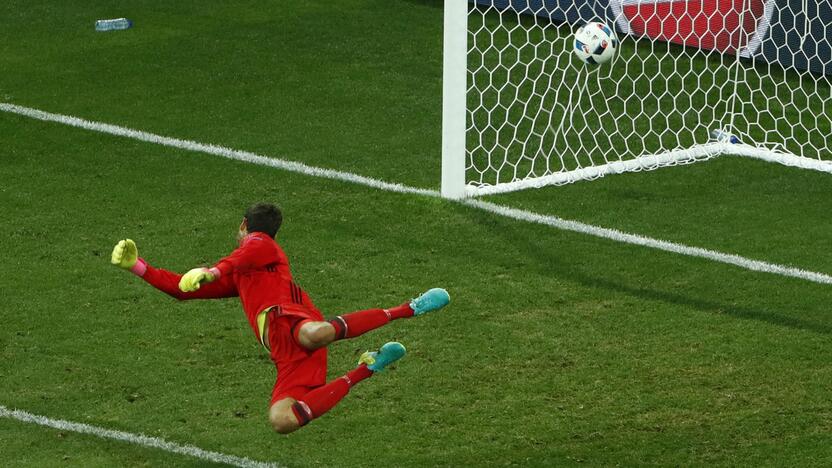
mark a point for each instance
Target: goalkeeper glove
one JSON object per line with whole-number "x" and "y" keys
{"x": 125, "y": 254}
{"x": 192, "y": 280}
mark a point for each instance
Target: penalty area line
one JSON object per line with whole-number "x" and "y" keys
{"x": 500, "y": 210}
{"x": 137, "y": 439}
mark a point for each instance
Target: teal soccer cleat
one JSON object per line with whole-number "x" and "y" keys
{"x": 377, "y": 360}
{"x": 434, "y": 299}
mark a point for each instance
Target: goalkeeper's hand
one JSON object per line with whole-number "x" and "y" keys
{"x": 192, "y": 280}
{"x": 125, "y": 254}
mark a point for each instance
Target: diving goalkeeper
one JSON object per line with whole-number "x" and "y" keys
{"x": 283, "y": 318}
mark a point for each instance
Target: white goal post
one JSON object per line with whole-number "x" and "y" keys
{"x": 692, "y": 80}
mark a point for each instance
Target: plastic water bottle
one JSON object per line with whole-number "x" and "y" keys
{"x": 723, "y": 136}
{"x": 113, "y": 24}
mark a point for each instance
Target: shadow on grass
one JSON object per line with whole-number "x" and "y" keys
{"x": 427, "y": 3}
{"x": 551, "y": 265}
{"x": 760, "y": 314}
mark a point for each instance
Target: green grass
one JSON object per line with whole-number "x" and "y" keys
{"x": 36, "y": 446}
{"x": 752, "y": 208}
{"x": 558, "y": 349}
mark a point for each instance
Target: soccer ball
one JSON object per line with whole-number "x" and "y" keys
{"x": 595, "y": 43}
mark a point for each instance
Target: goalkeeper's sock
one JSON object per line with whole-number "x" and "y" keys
{"x": 317, "y": 402}
{"x": 358, "y": 323}
{"x": 401, "y": 311}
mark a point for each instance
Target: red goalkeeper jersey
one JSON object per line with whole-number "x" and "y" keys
{"x": 257, "y": 271}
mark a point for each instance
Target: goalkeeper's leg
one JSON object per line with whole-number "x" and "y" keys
{"x": 288, "y": 414}
{"x": 314, "y": 335}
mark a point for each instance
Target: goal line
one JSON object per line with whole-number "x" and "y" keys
{"x": 505, "y": 211}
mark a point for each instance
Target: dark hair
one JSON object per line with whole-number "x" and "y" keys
{"x": 264, "y": 217}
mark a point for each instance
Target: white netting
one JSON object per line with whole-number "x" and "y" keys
{"x": 538, "y": 116}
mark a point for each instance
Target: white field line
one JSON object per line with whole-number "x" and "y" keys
{"x": 213, "y": 149}
{"x": 513, "y": 213}
{"x": 626, "y": 238}
{"x": 138, "y": 439}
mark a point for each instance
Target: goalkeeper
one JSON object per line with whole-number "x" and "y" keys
{"x": 283, "y": 318}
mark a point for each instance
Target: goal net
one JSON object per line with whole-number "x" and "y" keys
{"x": 691, "y": 80}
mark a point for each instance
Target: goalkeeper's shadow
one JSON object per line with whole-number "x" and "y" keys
{"x": 539, "y": 252}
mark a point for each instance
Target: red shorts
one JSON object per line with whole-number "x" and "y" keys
{"x": 298, "y": 369}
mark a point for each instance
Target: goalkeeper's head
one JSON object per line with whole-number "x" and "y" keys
{"x": 262, "y": 217}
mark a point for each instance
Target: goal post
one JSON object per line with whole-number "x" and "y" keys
{"x": 454, "y": 71}
{"x": 692, "y": 80}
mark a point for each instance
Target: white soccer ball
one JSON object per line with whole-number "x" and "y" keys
{"x": 595, "y": 43}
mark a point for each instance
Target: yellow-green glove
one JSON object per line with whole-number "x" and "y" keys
{"x": 192, "y": 280}
{"x": 125, "y": 254}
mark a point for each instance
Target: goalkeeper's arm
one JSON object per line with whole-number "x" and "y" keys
{"x": 200, "y": 283}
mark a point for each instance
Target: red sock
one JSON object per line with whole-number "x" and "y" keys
{"x": 317, "y": 402}
{"x": 401, "y": 311}
{"x": 359, "y": 323}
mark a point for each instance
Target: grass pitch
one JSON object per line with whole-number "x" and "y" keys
{"x": 558, "y": 349}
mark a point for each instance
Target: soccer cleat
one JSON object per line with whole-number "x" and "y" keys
{"x": 377, "y": 360}
{"x": 434, "y": 299}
